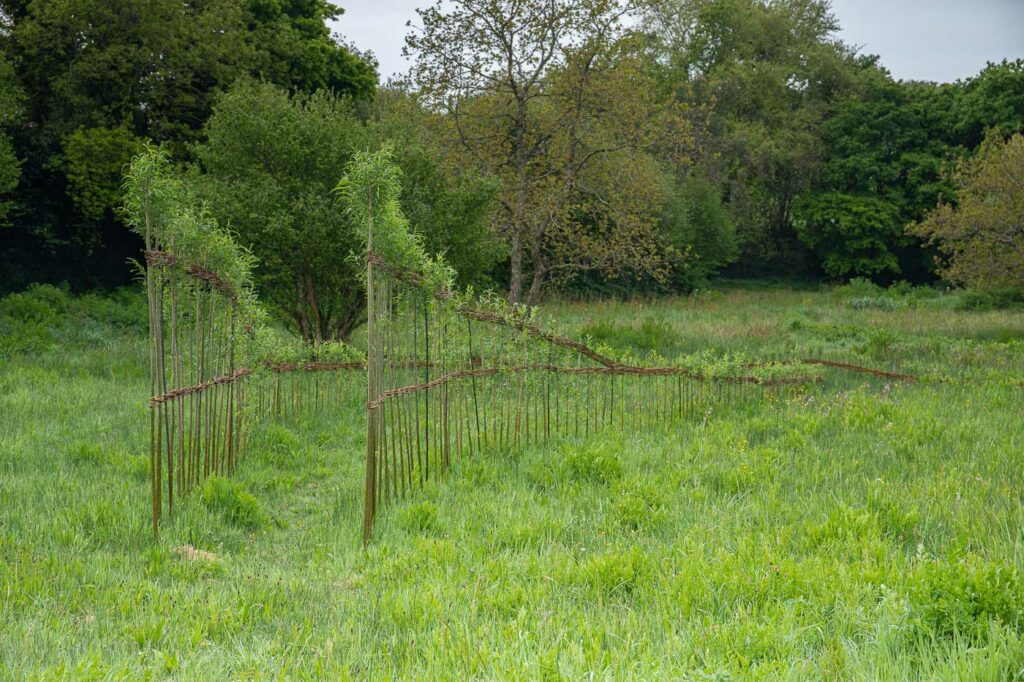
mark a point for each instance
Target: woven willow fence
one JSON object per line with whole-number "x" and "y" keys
{"x": 448, "y": 374}
{"x": 213, "y": 365}
{"x": 447, "y": 380}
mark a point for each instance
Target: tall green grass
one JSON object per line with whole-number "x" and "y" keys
{"x": 870, "y": 531}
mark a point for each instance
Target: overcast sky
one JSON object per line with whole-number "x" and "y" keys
{"x": 937, "y": 40}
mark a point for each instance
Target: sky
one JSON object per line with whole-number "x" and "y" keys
{"x": 936, "y": 40}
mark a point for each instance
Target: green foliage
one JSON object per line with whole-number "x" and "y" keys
{"x": 562, "y": 119}
{"x": 757, "y": 75}
{"x": 231, "y": 500}
{"x": 10, "y": 105}
{"x": 269, "y": 164}
{"x": 963, "y": 598}
{"x": 651, "y": 336}
{"x": 697, "y": 225}
{"x": 451, "y": 206}
{"x": 598, "y": 462}
{"x": 370, "y": 191}
{"x": 883, "y": 169}
{"x": 981, "y": 236}
{"x": 163, "y": 210}
{"x": 419, "y": 518}
{"x": 639, "y": 504}
{"x": 991, "y": 300}
{"x": 44, "y": 316}
{"x": 96, "y": 160}
{"x": 294, "y": 47}
{"x": 992, "y": 100}
{"x": 615, "y": 573}
{"x": 851, "y": 234}
{"x": 98, "y": 74}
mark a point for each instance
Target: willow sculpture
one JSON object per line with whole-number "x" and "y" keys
{"x": 450, "y": 375}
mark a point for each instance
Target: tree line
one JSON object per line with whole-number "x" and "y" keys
{"x": 601, "y": 146}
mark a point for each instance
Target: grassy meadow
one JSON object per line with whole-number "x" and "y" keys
{"x": 857, "y": 530}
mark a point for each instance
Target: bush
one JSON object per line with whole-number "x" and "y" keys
{"x": 991, "y": 300}
{"x": 859, "y": 287}
{"x": 33, "y": 320}
{"x": 42, "y": 303}
{"x": 30, "y": 320}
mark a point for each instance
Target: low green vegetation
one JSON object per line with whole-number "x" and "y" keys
{"x": 862, "y": 529}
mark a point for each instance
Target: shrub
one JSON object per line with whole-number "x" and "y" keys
{"x": 39, "y": 303}
{"x": 860, "y": 287}
{"x": 1001, "y": 299}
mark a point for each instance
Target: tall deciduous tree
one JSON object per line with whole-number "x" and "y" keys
{"x": 549, "y": 100}
{"x": 982, "y": 237}
{"x": 760, "y": 74}
{"x": 992, "y": 99}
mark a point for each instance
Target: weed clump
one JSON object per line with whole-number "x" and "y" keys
{"x": 962, "y": 598}
{"x": 650, "y": 336}
{"x": 598, "y": 462}
{"x": 88, "y": 454}
{"x": 615, "y": 573}
{"x": 877, "y": 303}
{"x": 639, "y": 504}
{"x": 282, "y": 445}
{"x": 231, "y": 500}
{"x": 420, "y": 517}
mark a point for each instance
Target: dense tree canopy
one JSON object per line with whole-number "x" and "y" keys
{"x": 606, "y": 144}
{"x": 883, "y": 167}
{"x": 10, "y": 104}
{"x": 759, "y": 75}
{"x": 101, "y": 76}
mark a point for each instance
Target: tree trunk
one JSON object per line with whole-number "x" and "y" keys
{"x": 539, "y": 272}
{"x": 515, "y": 291}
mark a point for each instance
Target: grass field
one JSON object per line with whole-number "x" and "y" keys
{"x": 862, "y": 530}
